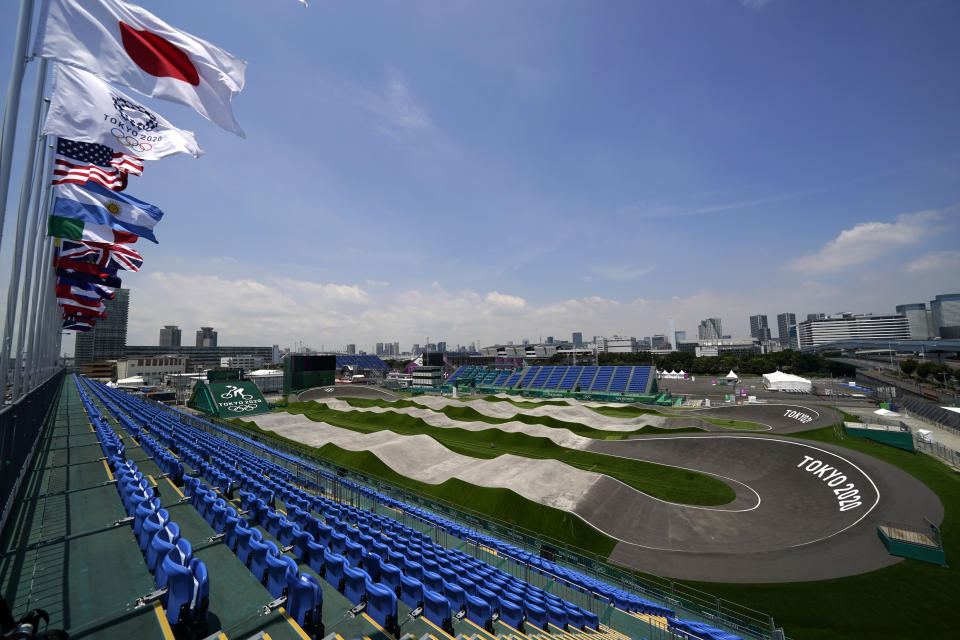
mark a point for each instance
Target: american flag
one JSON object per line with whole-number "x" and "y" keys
{"x": 78, "y": 162}
{"x": 103, "y": 254}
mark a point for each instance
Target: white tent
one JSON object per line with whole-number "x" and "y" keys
{"x": 133, "y": 381}
{"x": 681, "y": 374}
{"x": 780, "y": 381}
{"x": 672, "y": 374}
{"x": 732, "y": 375}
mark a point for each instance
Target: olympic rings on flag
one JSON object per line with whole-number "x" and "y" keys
{"x": 130, "y": 141}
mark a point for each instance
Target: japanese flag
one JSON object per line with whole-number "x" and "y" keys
{"x": 126, "y": 44}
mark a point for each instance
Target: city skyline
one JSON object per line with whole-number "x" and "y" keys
{"x": 638, "y": 163}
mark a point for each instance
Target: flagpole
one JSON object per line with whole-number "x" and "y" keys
{"x": 34, "y": 148}
{"x": 28, "y": 296}
{"x": 8, "y": 129}
{"x": 45, "y": 284}
{"x": 48, "y": 315}
{"x": 43, "y": 280}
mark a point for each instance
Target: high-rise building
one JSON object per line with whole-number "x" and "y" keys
{"x": 816, "y": 316}
{"x": 378, "y": 349}
{"x": 206, "y": 337}
{"x": 710, "y": 329}
{"x": 759, "y": 328}
{"x": 677, "y": 337}
{"x": 442, "y": 346}
{"x": 577, "y": 339}
{"x": 945, "y": 313}
{"x": 784, "y": 321}
{"x": 351, "y": 349}
{"x": 659, "y": 341}
{"x": 396, "y": 348}
{"x": 415, "y": 349}
{"x": 170, "y": 336}
{"x": 108, "y": 338}
{"x": 853, "y": 327}
{"x": 917, "y": 319}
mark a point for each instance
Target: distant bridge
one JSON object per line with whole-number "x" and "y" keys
{"x": 934, "y": 349}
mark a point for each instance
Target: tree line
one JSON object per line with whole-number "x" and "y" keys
{"x": 789, "y": 361}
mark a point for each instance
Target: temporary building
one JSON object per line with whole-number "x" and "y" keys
{"x": 780, "y": 381}
{"x": 681, "y": 374}
{"x": 732, "y": 375}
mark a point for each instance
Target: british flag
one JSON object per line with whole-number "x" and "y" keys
{"x": 104, "y": 255}
{"x": 79, "y": 162}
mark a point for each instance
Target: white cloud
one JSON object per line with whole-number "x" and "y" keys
{"x": 377, "y": 283}
{"x": 504, "y": 300}
{"x": 868, "y": 241}
{"x": 948, "y": 261}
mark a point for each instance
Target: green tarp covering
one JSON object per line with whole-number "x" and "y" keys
{"x": 228, "y": 399}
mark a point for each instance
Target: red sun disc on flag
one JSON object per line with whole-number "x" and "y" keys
{"x": 158, "y": 56}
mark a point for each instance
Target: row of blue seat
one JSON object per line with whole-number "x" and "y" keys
{"x": 168, "y": 556}
{"x": 341, "y": 537}
{"x": 304, "y": 595}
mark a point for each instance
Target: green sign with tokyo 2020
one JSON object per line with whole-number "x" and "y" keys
{"x": 237, "y": 399}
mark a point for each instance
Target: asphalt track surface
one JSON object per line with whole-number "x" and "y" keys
{"x": 785, "y": 417}
{"x": 803, "y": 510}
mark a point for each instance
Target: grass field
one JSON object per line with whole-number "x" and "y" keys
{"x": 666, "y": 483}
{"x": 501, "y": 505}
{"x": 908, "y": 600}
{"x": 911, "y": 599}
{"x": 636, "y": 412}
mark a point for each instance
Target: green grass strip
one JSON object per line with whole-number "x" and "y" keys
{"x": 636, "y": 412}
{"x": 663, "y": 482}
{"x": 499, "y": 504}
{"x": 911, "y": 599}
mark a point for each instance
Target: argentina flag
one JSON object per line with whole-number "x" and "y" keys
{"x": 94, "y": 204}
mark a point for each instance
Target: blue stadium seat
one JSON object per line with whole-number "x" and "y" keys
{"x": 161, "y": 542}
{"x": 511, "y": 613}
{"x": 305, "y": 601}
{"x": 381, "y": 605}
{"x": 333, "y": 566}
{"x": 245, "y": 535}
{"x": 181, "y": 554}
{"x": 411, "y": 591}
{"x": 355, "y": 584}
{"x": 188, "y": 593}
{"x": 436, "y": 608}
{"x": 259, "y": 550}
{"x": 279, "y": 568}
{"x": 535, "y": 615}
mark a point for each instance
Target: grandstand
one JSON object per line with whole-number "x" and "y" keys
{"x": 142, "y": 521}
{"x": 373, "y": 363}
{"x": 562, "y": 380}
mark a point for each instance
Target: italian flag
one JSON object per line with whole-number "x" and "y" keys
{"x": 73, "y": 229}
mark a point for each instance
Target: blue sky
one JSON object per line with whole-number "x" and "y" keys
{"x": 488, "y": 171}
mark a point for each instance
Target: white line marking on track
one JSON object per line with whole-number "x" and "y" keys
{"x": 801, "y": 444}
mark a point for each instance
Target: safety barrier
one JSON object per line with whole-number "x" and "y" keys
{"x": 20, "y": 427}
